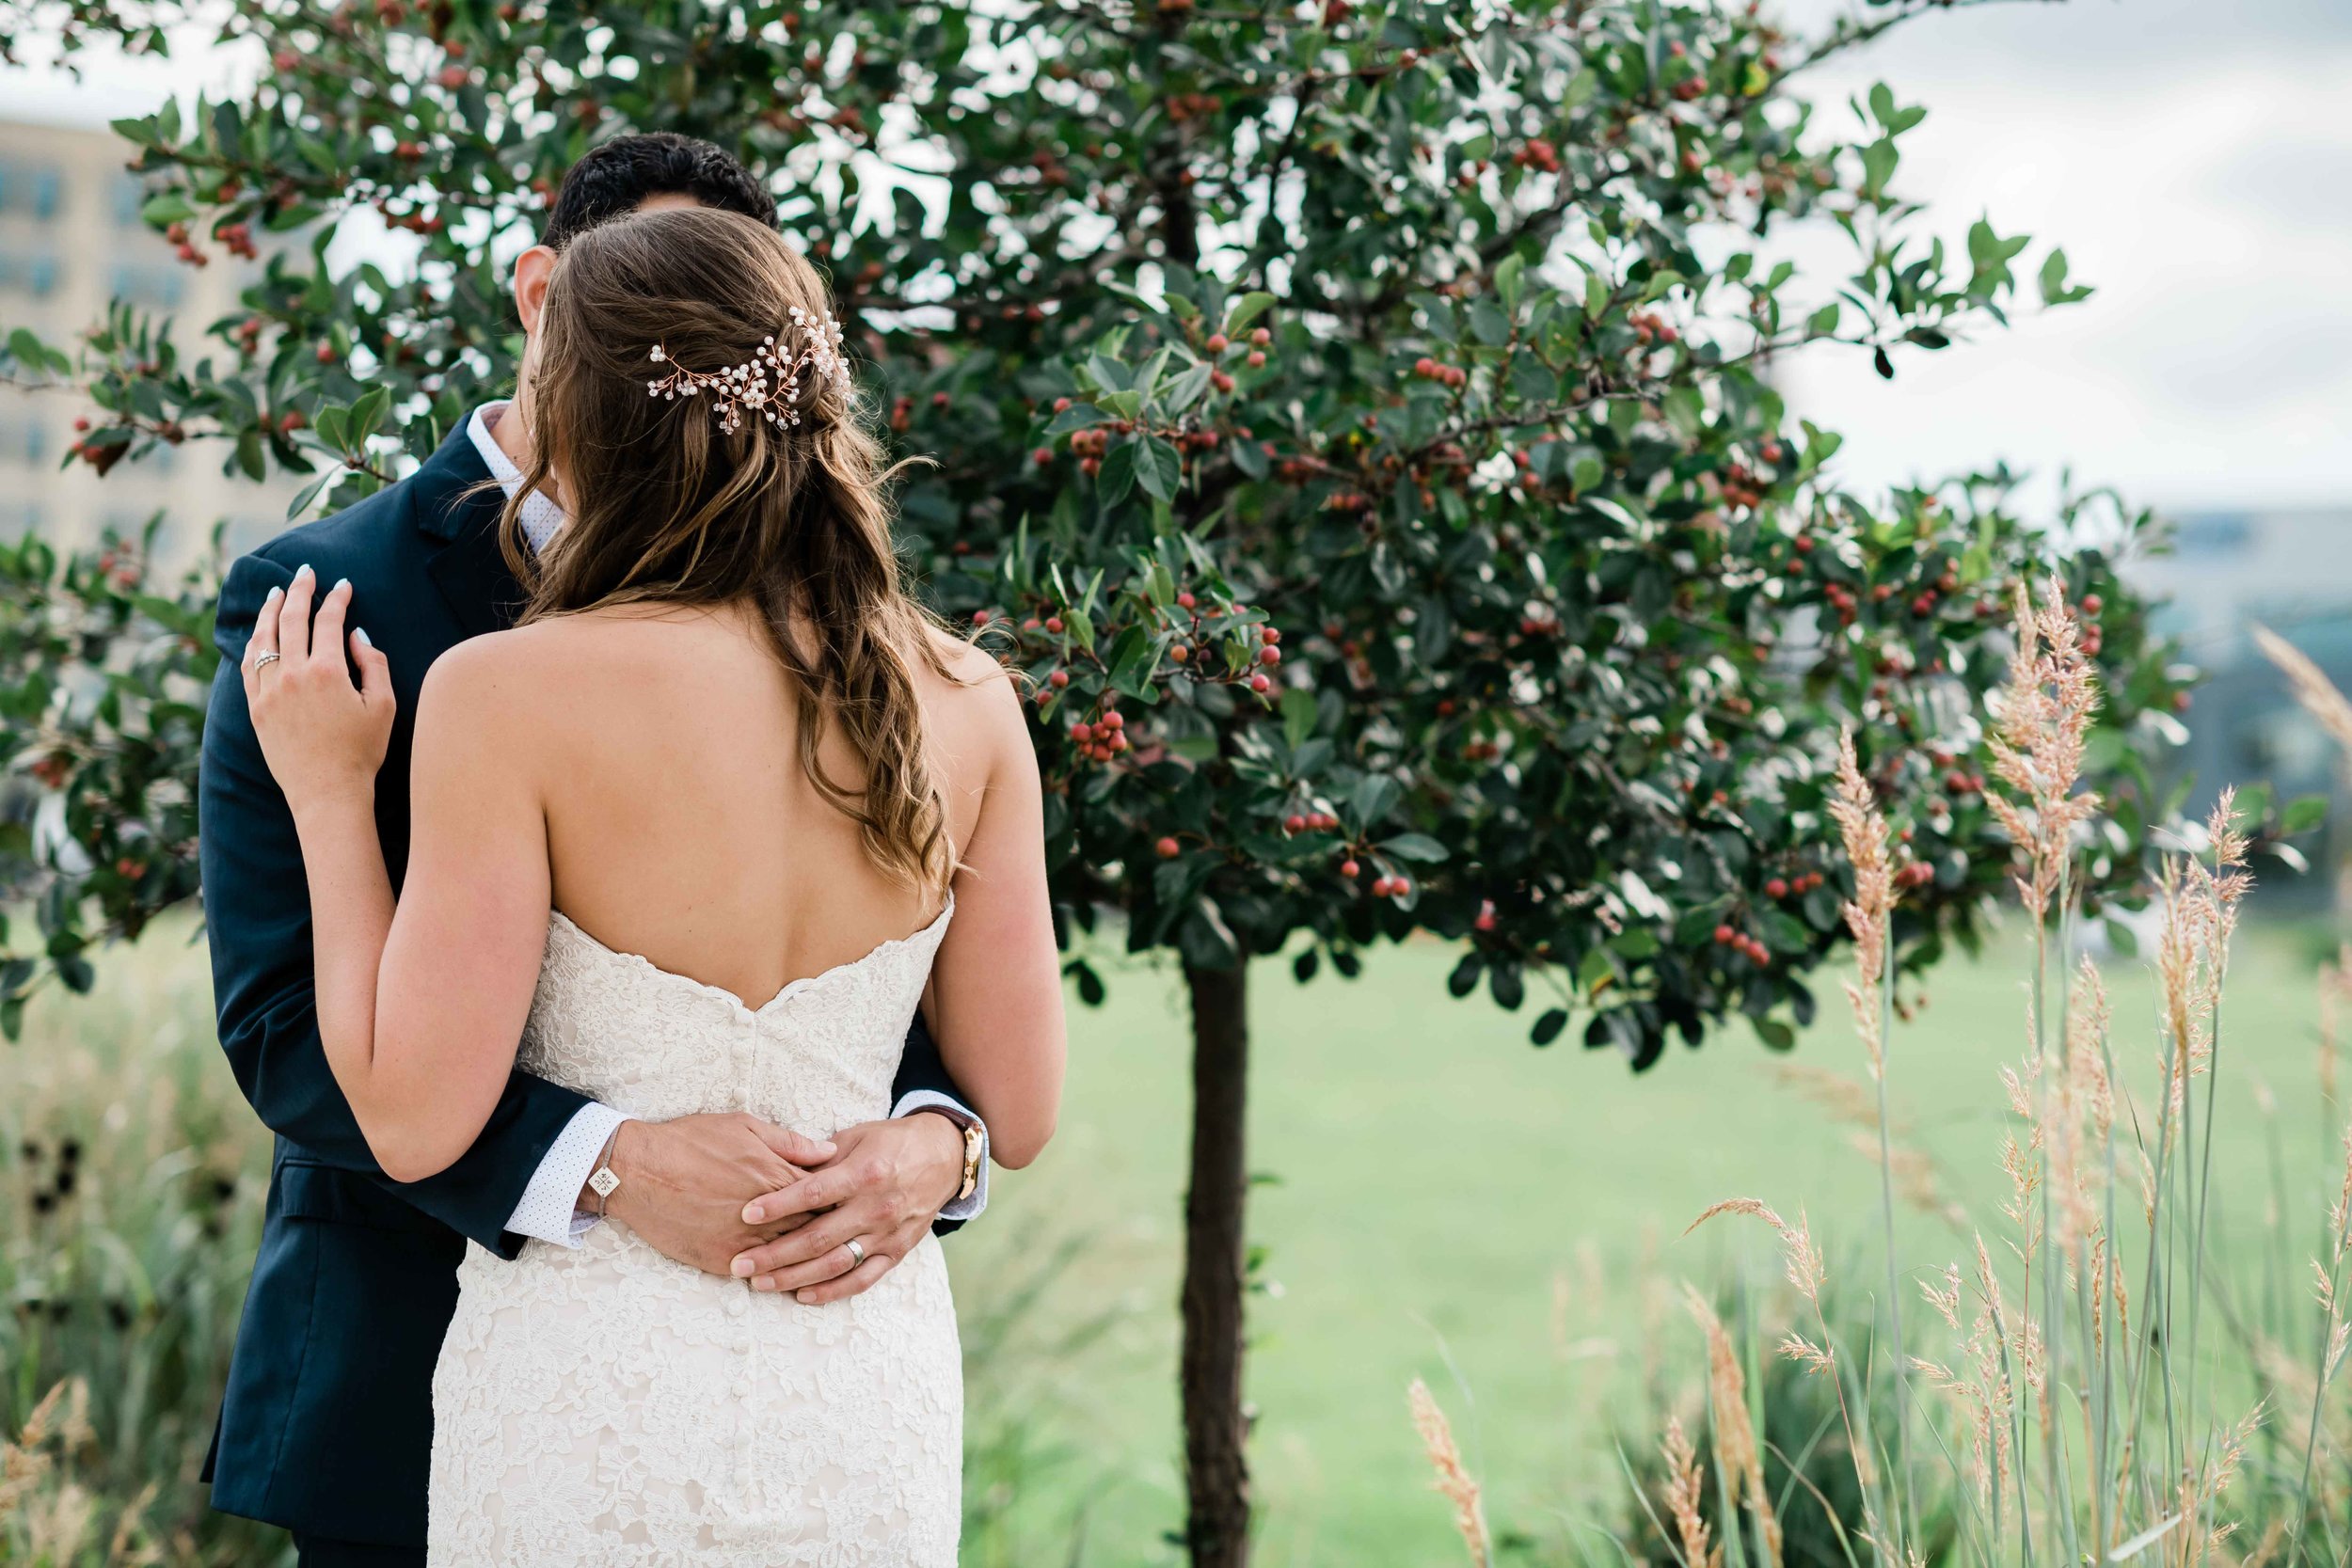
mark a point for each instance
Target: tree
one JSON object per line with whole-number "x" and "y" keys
{"x": 1358, "y": 419}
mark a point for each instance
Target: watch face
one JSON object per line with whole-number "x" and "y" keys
{"x": 604, "y": 1182}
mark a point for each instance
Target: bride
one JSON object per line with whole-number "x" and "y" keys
{"x": 704, "y": 831}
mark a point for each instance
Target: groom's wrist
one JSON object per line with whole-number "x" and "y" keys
{"x": 942, "y": 1176}
{"x": 620, "y": 1160}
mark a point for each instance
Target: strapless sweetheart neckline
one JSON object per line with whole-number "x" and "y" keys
{"x": 792, "y": 988}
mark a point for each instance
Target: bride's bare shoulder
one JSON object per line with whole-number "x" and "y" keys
{"x": 500, "y": 661}
{"x": 979, "y": 696}
{"x": 501, "y": 678}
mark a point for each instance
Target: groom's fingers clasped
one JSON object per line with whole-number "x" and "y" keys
{"x": 844, "y": 1203}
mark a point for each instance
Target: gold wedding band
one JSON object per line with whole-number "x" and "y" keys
{"x": 857, "y": 1253}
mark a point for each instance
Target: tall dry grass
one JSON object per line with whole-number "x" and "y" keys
{"x": 2084, "y": 1381}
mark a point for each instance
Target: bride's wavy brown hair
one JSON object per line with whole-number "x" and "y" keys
{"x": 663, "y": 507}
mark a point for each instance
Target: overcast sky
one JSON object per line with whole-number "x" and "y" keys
{"x": 2194, "y": 157}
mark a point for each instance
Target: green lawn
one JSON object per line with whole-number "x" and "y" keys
{"x": 1436, "y": 1180}
{"x": 1437, "y": 1183}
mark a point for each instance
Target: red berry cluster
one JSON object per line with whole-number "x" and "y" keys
{"x": 1742, "y": 944}
{"x": 1651, "y": 327}
{"x": 1782, "y": 887}
{"x": 120, "y": 569}
{"x": 1537, "y": 153}
{"x": 1741, "y": 488}
{"x": 1090, "y": 445}
{"x": 1103, "y": 739}
{"x": 184, "y": 247}
{"x": 1309, "y": 822}
{"x": 1444, "y": 375}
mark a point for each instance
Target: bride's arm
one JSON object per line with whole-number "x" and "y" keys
{"x": 419, "y": 1007}
{"x": 995, "y": 998}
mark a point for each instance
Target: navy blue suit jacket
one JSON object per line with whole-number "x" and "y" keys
{"x": 328, "y": 1425}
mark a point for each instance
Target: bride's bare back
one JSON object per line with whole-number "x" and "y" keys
{"x": 680, "y": 824}
{"x": 654, "y": 750}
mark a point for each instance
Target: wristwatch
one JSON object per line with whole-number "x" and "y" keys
{"x": 975, "y": 1149}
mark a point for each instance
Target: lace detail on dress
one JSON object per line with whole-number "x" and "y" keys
{"x": 605, "y": 1406}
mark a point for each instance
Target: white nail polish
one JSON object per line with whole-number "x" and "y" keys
{"x": 360, "y": 635}
{"x": 341, "y": 583}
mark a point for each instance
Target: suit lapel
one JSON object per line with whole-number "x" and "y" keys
{"x": 470, "y": 569}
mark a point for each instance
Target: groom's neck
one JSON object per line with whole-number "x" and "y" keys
{"x": 513, "y": 439}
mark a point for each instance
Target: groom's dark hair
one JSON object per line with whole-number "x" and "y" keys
{"x": 617, "y": 177}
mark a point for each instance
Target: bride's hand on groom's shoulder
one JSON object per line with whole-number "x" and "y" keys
{"x": 324, "y": 735}
{"x": 684, "y": 1182}
{"x": 882, "y": 1190}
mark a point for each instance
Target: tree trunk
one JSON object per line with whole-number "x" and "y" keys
{"x": 1216, "y": 1467}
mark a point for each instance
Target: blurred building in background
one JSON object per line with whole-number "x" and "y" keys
{"x": 2287, "y": 569}
{"x": 71, "y": 239}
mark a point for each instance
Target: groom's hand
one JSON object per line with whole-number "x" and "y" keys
{"x": 882, "y": 1190}
{"x": 683, "y": 1182}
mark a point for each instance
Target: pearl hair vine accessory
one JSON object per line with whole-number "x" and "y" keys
{"x": 767, "y": 382}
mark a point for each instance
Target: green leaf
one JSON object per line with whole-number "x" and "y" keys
{"x": 1508, "y": 280}
{"x": 1245, "y": 309}
{"x": 1489, "y": 324}
{"x": 1548, "y": 1026}
{"x": 26, "y": 347}
{"x": 2251, "y": 808}
{"x": 1158, "y": 470}
{"x": 1414, "y": 847}
{"x": 249, "y": 456}
{"x": 1186, "y": 388}
{"x": 1118, "y": 473}
{"x": 165, "y": 208}
{"x": 1879, "y": 160}
{"x": 2303, "y": 814}
{"x": 1465, "y": 978}
{"x": 1299, "y": 712}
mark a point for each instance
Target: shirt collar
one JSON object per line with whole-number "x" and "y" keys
{"x": 541, "y": 516}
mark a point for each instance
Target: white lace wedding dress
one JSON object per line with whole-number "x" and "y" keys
{"x": 606, "y": 1406}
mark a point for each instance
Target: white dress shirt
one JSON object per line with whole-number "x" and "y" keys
{"x": 550, "y": 1210}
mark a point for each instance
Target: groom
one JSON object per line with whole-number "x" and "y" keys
{"x": 326, "y": 1428}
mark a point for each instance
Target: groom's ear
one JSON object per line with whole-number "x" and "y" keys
{"x": 534, "y": 268}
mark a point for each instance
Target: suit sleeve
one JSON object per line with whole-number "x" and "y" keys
{"x": 257, "y": 911}
{"x": 921, "y": 1070}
